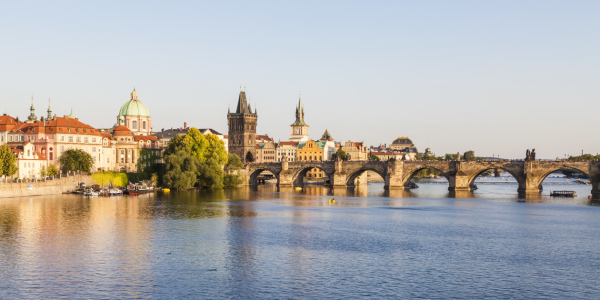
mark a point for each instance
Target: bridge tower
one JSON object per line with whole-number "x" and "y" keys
{"x": 242, "y": 130}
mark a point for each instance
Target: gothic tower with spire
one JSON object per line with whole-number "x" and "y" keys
{"x": 299, "y": 128}
{"x": 242, "y": 130}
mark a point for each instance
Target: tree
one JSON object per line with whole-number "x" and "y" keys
{"x": 197, "y": 144}
{"x": 341, "y": 153}
{"x": 216, "y": 150}
{"x": 43, "y": 171}
{"x": 450, "y": 156}
{"x": 469, "y": 155}
{"x": 76, "y": 160}
{"x": 210, "y": 175}
{"x": 181, "y": 170}
{"x": 234, "y": 162}
{"x": 418, "y": 156}
{"x": 8, "y": 161}
{"x": 176, "y": 144}
{"x": 52, "y": 170}
{"x": 374, "y": 157}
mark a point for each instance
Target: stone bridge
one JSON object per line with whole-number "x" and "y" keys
{"x": 461, "y": 175}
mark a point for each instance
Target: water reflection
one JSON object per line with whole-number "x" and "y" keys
{"x": 253, "y": 242}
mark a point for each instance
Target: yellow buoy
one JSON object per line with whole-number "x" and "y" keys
{"x": 331, "y": 200}
{"x": 298, "y": 188}
{"x": 166, "y": 190}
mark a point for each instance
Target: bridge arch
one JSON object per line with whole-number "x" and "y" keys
{"x": 354, "y": 174}
{"x": 300, "y": 174}
{"x": 544, "y": 175}
{"x": 411, "y": 173}
{"x": 520, "y": 180}
{"x": 253, "y": 176}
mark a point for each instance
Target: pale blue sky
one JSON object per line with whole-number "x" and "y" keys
{"x": 496, "y": 78}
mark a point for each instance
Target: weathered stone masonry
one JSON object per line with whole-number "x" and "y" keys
{"x": 461, "y": 175}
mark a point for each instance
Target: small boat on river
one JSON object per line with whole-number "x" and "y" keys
{"x": 571, "y": 194}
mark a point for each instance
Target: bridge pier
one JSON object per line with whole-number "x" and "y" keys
{"x": 393, "y": 176}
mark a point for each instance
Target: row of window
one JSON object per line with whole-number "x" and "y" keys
{"x": 77, "y": 139}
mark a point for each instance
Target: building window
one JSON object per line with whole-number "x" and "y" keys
{"x": 93, "y": 140}
{"x": 86, "y": 140}
{"x": 62, "y": 138}
{"x": 144, "y": 124}
{"x": 10, "y": 138}
{"x": 93, "y": 149}
{"x": 134, "y": 124}
{"x": 70, "y": 139}
{"x": 62, "y": 148}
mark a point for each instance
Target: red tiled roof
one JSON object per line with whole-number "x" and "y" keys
{"x": 7, "y": 122}
{"x": 288, "y": 143}
{"x": 144, "y": 138}
{"x": 57, "y": 125}
{"x": 121, "y": 130}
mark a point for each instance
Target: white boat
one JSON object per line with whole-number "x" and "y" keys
{"x": 115, "y": 192}
{"x": 90, "y": 192}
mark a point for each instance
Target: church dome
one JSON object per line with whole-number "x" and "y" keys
{"x": 134, "y": 107}
{"x": 121, "y": 130}
{"x": 403, "y": 140}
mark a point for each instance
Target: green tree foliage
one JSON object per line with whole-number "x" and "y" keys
{"x": 232, "y": 180}
{"x": 584, "y": 157}
{"x": 197, "y": 144}
{"x": 52, "y": 170}
{"x": 418, "y": 156}
{"x": 341, "y": 153}
{"x": 374, "y": 157}
{"x": 43, "y": 171}
{"x": 216, "y": 150}
{"x": 469, "y": 155}
{"x": 181, "y": 170}
{"x": 176, "y": 144}
{"x": 450, "y": 156}
{"x": 234, "y": 162}
{"x": 8, "y": 161}
{"x": 76, "y": 160}
{"x": 210, "y": 175}
{"x": 110, "y": 178}
{"x": 427, "y": 172}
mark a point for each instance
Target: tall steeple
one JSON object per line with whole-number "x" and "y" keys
{"x": 242, "y": 129}
{"x": 299, "y": 127}
{"x": 49, "y": 111}
{"x": 299, "y": 114}
{"x": 32, "y": 118}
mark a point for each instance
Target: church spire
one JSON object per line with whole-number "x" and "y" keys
{"x": 300, "y": 114}
{"x": 49, "y": 111}
{"x": 32, "y": 118}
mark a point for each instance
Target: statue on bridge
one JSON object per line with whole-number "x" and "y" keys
{"x": 458, "y": 156}
{"x": 404, "y": 157}
{"x": 530, "y": 155}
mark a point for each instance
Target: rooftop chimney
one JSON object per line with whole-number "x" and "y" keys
{"x": 185, "y": 125}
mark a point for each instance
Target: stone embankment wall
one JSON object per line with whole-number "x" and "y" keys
{"x": 49, "y": 187}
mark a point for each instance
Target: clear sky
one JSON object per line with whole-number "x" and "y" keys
{"x": 496, "y": 77}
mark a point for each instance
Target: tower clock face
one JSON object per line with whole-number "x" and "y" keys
{"x": 297, "y": 131}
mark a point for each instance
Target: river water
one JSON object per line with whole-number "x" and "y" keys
{"x": 268, "y": 243}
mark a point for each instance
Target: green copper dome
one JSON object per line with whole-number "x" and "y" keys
{"x": 134, "y": 107}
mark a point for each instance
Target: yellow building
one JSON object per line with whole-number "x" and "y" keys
{"x": 311, "y": 151}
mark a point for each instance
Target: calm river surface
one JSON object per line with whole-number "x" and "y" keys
{"x": 270, "y": 243}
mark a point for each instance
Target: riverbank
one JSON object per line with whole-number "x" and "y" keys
{"x": 40, "y": 188}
